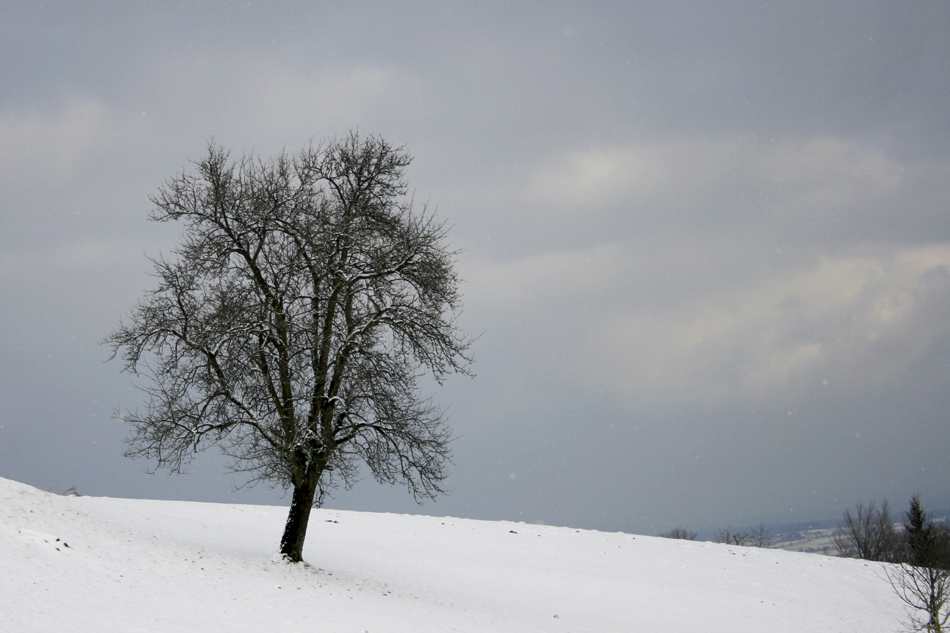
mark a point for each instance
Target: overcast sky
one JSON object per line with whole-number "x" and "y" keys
{"x": 706, "y": 244}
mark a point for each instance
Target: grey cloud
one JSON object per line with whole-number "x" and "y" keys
{"x": 705, "y": 244}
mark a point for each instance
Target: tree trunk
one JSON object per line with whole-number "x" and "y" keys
{"x": 295, "y": 531}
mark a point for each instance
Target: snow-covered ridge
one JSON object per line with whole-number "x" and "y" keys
{"x": 100, "y": 564}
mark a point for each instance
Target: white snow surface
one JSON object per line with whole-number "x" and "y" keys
{"x": 102, "y": 564}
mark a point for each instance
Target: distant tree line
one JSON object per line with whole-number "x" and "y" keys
{"x": 753, "y": 537}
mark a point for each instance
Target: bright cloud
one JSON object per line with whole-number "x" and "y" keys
{"x": 561, "y": 275}
{"x": 800, "y": 176}
{"x": 608, "y": 175}
{"x": 858, "y": 319}
{"x": 49, "y": 142}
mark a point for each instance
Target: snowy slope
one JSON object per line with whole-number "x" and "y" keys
{"x": 100, "y": 564}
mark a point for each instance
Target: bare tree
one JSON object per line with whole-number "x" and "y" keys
{"x": 753, "y": 537}
{"x": 680, "y": 533}
{"x": 925, "y": 590}
{"x": 760, "y": 536}
{"x": 291, "y": 327}
{"x": 731, "y": 536}
{"x": 923, "y": 581}
{"x": 868, "y": 533}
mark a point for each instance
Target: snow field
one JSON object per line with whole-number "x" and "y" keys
{"x": 164, "y": 566}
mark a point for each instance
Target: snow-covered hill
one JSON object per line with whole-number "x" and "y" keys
{"x": 100, "y": 564}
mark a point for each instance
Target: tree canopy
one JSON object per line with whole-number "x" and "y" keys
{"x": 292, "y": 324}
